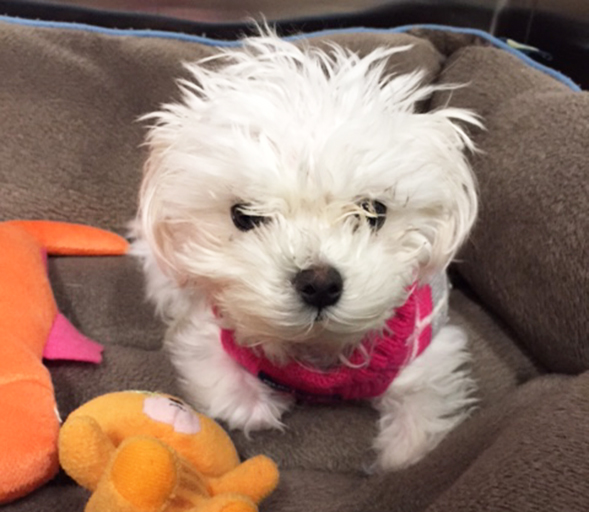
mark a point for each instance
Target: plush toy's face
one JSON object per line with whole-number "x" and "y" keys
{"x": 172, "y": 412}
{"x": 194, "y": 436}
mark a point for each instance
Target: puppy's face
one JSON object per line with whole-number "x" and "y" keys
{"x": 303, "y": 195}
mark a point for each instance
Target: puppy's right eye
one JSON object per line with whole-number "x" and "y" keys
{"x": 243, "y": 220}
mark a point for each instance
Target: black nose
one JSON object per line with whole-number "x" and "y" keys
{"x": 319, "y": 286}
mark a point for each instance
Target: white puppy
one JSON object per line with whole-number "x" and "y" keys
{"x": 294, "y": 202}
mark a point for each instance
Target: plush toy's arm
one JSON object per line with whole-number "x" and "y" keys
{"x": 256, "y": 478}
{"x": 84, "y": 450}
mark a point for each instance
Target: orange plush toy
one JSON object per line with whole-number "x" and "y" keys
{"x": 32, "y": 328}
{"x": 149, "y": 452}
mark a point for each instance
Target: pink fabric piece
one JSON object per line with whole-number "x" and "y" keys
{"x": 400, "y": 343}
{"x": 66, "y": 343}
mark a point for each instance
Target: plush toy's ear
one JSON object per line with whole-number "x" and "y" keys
{"x": 28, "y": 319}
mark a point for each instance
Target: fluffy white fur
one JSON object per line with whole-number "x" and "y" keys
{"x": 302, "y": 136}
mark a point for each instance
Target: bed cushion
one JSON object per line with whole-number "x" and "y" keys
{"x": 70, "y": 98}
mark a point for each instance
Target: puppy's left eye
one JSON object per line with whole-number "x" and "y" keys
{"x": 377, "y": 213}
{"x": 243, "y": 220}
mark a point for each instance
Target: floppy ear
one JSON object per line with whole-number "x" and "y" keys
{"x": 153, "y": 224}
{"x": 459, "y": 211}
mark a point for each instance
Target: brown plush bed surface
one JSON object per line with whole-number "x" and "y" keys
{"x": 70, "y": 150}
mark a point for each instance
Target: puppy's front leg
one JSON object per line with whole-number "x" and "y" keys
{"x": 430, "y": 397}
{"x": 218, "y": 386}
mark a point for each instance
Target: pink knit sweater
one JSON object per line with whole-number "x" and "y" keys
{"x": 408, "y": 334}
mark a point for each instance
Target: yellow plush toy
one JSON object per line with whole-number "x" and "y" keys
{"x": 149, "y": 452}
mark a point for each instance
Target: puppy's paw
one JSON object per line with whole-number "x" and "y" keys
{"x": 428, "y": 399}
{"x": 402, "y": 440}
{"x": 215, "y": 384}
{"x": 230, "y": 394}
{"x": 251, "y": 406}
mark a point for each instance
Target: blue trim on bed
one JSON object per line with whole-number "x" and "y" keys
{"x": 223, "y": 43}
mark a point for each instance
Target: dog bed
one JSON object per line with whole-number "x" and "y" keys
{"x": 70, "y": 97}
